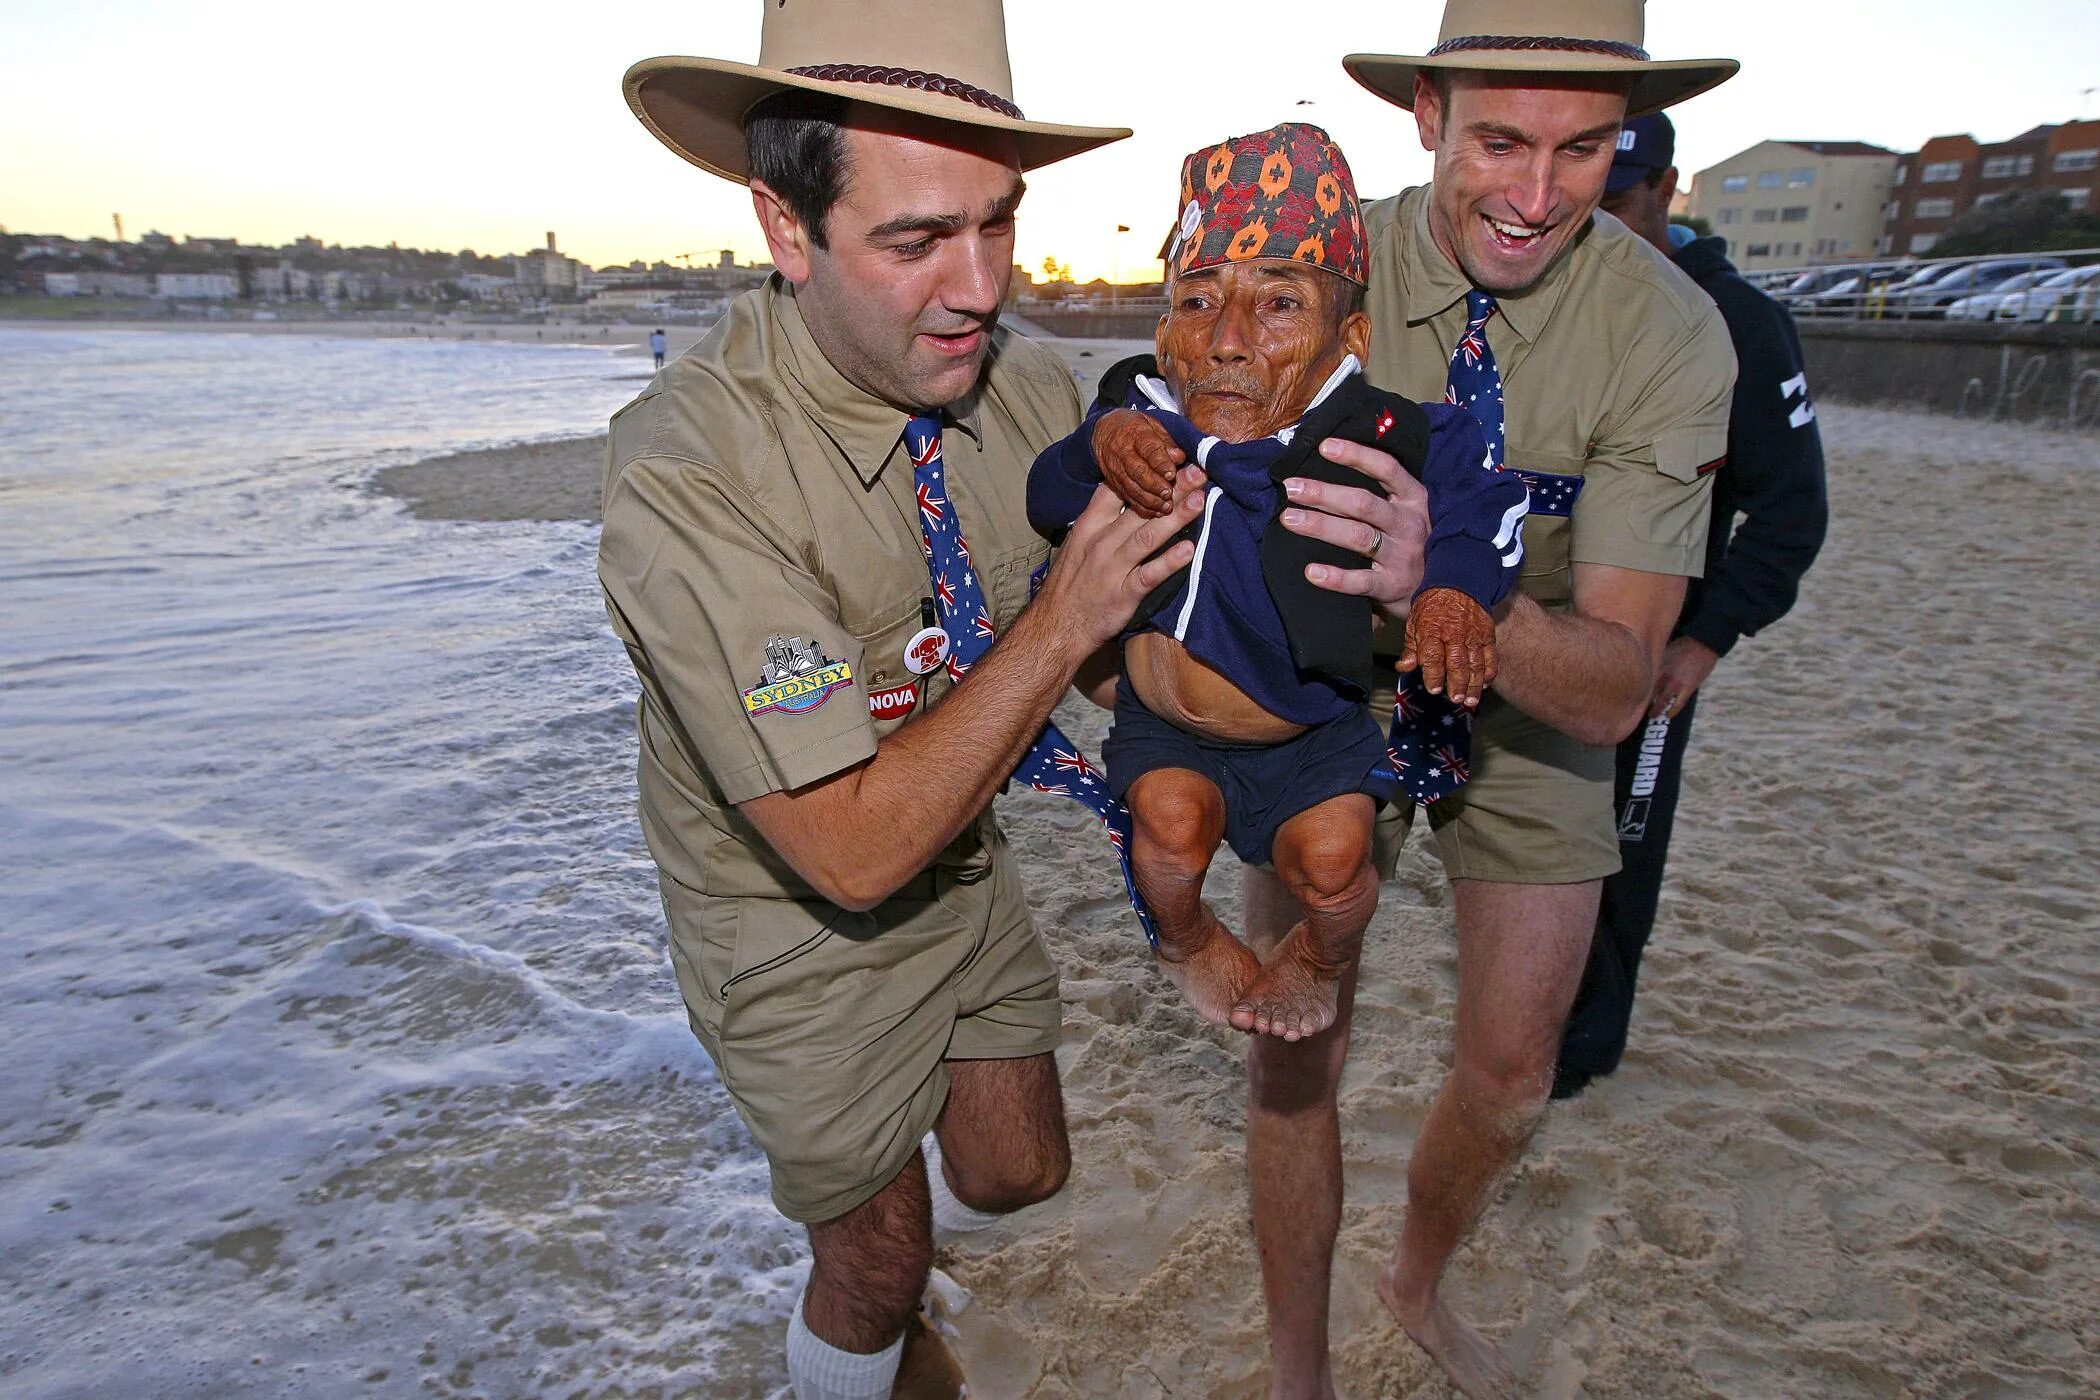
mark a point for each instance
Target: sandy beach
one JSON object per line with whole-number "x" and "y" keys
{"x": 1852, "y": 1149}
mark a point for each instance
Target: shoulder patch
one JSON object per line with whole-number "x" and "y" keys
{"x": 795, "y": 679}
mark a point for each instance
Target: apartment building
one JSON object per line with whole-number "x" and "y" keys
{"x": 1950, "y": 175}
{"x": 1786, "y": 203}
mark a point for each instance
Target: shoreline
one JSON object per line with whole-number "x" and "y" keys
{"x": 623, "y": 338}
{"x": 563, "y": 479}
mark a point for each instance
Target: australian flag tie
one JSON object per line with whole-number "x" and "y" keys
{"x": 1054, "y": 764}
{"x": 1431, "y": 742}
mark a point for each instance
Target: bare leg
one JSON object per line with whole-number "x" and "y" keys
{"x": 1003, "y": 1146}
{"x": 1521, "y": 950}
{"x": 1294, "y": 1163}
{"x": 1179, "y": 817}
{"x": 1002, "y": 1133}
{"x": 1323, "y": 855}
{"x": 870, "y": 1265}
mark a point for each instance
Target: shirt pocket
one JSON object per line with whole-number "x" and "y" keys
{"x": 1544, "y": 574}
{"x": 1010, "y": 574}
{"x": 889, "y": 688}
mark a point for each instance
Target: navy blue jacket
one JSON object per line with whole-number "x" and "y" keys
{"x": 1774, "y": 475}
{"x": 1301, "y": 652}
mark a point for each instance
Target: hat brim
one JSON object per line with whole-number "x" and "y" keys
{"x": 696, "y": 106}
{"x": 1655, "y": 85}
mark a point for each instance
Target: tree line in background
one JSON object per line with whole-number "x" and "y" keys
{"x": 2035, "y": 220}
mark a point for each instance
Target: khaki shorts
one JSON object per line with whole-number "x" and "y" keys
{"x": 831, "y": 1030}
{"x": 1536, "y": 810}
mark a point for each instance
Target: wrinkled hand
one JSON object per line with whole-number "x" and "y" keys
{"x": 1391, "y": 530}
{"x": 1111, "y": 559}
{"x": 1452, "y": 638}
{"x": 1685, "y": 666}
{"x": 1137, "y": 457}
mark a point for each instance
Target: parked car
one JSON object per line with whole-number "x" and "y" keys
{"x": 1894, "y": 293}
{"x": 1982, "y": 306}
{"x": 1807, "y": 284}
{"x": 2070, "y": 295}
{"x": 1933, "y": 299}
{"x": 1850, "y": 293}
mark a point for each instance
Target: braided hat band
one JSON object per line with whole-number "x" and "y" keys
{"x": 1477, "y": 43}
{"x": 909, "y": 78}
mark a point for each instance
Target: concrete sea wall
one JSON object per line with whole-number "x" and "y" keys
{"x": 2046, "y": 375}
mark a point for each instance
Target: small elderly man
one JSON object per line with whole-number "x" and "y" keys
{"x": 1241, "y": 709}
{"x": 1603, "y": 377}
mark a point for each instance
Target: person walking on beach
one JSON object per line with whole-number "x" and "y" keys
{"x": 814, "y": 527}
{"x": 1774, "y": 479}
{"x": 1602, "y": 375}
{"x": 658, "y": 343}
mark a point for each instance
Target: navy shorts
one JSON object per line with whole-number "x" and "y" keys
{"x": 1264, "y": 785}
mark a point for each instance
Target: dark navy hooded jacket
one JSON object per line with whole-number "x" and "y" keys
{"x": 1774, "y": 476}
{"x": 1243, "y": 606}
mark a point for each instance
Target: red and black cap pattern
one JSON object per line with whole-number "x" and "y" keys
{"x": 1281, "y": 193}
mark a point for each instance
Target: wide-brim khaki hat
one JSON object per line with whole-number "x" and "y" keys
{"x": 938, "y": 58}
{"x": 1565, "y": 37}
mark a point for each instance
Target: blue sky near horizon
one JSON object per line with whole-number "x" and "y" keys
{"x": 463, "y": 125}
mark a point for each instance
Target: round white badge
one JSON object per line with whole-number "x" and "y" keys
{"x": 927, "y": 649}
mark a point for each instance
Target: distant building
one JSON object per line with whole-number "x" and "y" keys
{"x": 636, "y": 296}
{"x": 486, "y": 286}
{"x": 1950, "y": 175}
{"x": 543, "y": 272}
{"x": 1785, "y": 203}
{"x": 280, "y": 283}
{"x": 196, "y": 286}
{"x": 98, "y": 284}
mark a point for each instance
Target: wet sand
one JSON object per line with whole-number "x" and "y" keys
{"x": 1852, "y": 1150}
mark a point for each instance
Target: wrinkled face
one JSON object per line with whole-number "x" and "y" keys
{"x": 920, "y": 251}
{"x": 1246, "y": 345}
{"x": 1519, "y": 170}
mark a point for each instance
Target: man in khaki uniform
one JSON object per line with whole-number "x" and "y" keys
{"x": 1609, "y": 375}
{"x": 846, "y": 924}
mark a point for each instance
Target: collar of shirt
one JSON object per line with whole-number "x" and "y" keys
{"x": 1435, "y": 283}
{"x": 866, "y": 429}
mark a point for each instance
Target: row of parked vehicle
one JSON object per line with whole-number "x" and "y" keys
{"x": 2035, "y": 287}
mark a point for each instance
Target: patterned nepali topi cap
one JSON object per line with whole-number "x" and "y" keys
{"x": 1281, "y": 193}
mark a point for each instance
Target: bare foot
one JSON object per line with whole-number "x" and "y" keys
{"x": 1214, "y": 973}
{"x": 1294, "y": 996}
{"x": 1474, "y": 1364}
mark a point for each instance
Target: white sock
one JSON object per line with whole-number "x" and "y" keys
{"x": 949, "y": 1213}
{"x": 820, "y": 1371}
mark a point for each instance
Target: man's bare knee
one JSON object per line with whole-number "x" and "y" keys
{"x": 1294, "y": 1077}
{"x": 870, "y": 1265}
{"x": 1504, "y": 1090}
{"x": 1003, "y": 1134}
{"x": 1007, "y": 1186}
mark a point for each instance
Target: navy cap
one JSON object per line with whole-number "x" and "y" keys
{"x": 1647, "y": 145}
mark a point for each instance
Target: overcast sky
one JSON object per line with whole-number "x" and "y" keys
{"x": 450, "y": 125}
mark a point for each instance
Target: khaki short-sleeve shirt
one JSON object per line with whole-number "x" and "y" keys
{"x": 1615, "y": 368}
{"x": 761, "y": 520}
